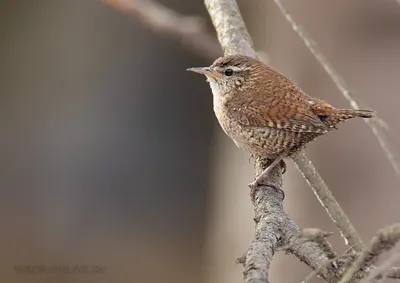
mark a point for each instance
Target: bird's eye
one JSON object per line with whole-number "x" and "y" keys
{"x": 228, "y": 72}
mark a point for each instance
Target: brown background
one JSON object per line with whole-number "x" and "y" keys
{"x": 111, "y": 155}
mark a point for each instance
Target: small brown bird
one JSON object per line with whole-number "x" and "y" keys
{"x": 265, "y": 113}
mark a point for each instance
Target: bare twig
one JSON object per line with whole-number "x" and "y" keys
{"x": 313, "y": 235}
{"x": 347, "y": 254}
{"x": 327, "y": 200}
{"x": 375, "y": 125}
{"x": 319, "y": 237}
{"x": 383, "y": 269}
{"x": 188, "y": 30}
{"x": 394, "y": 272}
{"x": 386, "y": 239}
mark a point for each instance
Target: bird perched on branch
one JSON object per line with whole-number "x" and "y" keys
{"x": 265, "y": 113}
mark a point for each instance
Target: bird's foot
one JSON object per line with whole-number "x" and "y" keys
{"x": 253, "y": 187}
{"x": 263, "y": 177}
{"x": 259, "y": 181}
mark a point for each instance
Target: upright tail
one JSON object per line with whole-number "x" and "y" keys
{"x": 337, "y": 116}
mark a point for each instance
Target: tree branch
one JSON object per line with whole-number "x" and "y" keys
{"x": 393, "y": 272}
{"x": 187, "y": 30}
{"x": 273, "y": 223}
{"x": 314, "y": 235}
{"x": 231, "y": 29}
{"x": 328, "y": 201}
{"x": 382, "y": 270}
{"x": 266, "y": 239}
{"x": 347, "y": 254}
{"x": 386, "y": 239}
{"x": 319, "y": 237}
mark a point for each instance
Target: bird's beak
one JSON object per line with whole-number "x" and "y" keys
{"x": 205, "y": 71}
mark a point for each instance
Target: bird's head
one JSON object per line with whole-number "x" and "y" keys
{"x": 230, "y": 74}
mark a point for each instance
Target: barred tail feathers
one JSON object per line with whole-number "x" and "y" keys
{"x": 337, "y": 116}
{"x": 352, "y": 113}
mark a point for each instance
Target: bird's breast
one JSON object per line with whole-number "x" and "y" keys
{"x": 242, "y": 136}
{"x": 221, "y": 112}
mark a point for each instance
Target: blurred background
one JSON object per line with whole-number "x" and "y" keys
{"x": 111, "y": 155}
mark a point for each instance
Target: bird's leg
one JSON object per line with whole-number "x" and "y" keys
{"x": 263, "y": 176}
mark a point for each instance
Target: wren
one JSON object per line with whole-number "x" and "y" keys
{"x": 265, "y": 113}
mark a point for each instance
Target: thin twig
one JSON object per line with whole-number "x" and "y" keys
{"x": 313, "y": 235}
{"x": 188, "y": 30}
{"x": 394, "y": 272}
{"x": 328, "y": 201}
{"x": 319, "y": 237}
{"x": 383, "y": 269}
{"x": 332, "y": 261}
{"x": 386, "y": 239}
{"x": 375, "y": 126}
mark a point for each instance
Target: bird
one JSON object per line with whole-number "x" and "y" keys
{"x": 267, "y": 114}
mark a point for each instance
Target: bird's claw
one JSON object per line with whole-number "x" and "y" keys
{"x": 253, "y": 187}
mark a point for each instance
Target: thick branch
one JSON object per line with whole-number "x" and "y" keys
{"x": 234, "y": 38}
{"x": 267, "y": 235}
{"x": 231, "y": 29}
{"x": 272, "y": 220}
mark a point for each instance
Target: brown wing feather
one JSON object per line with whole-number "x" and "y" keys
{"x": 278, "y": 104}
